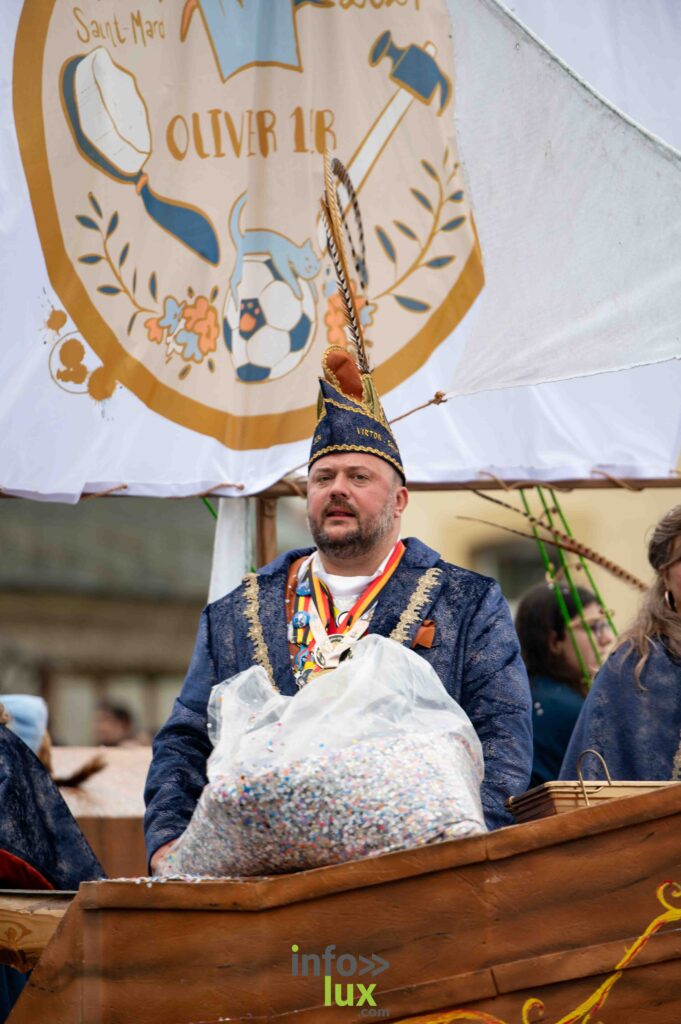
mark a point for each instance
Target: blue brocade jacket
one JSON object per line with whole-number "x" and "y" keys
{"x": 636, "y": 728}
{"x": 475, "y": 653}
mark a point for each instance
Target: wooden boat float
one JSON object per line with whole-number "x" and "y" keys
{"x": 578, "y": 913}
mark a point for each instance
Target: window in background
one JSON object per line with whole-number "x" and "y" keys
{"x": 515, "y": 565}
{"x": 99, "y": 602}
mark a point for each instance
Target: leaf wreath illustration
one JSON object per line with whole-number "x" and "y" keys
{"x": 440, "y": 222}
{"x": 188, "y": 328}
{"x": 115, "y": 266}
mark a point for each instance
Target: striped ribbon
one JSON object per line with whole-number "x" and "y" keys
{"x": 323, "y": 599}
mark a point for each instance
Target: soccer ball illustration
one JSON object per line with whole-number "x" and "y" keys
{"x": 271, "y": 329}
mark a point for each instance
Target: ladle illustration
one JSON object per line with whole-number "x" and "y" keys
{"x": 110, "y": 126}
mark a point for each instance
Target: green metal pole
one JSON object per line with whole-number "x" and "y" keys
{"x": 570, "y": 582}
{"x": 584, "y": 564}
{"x": 210, "y": 507}
{"x": 548, "y": 565}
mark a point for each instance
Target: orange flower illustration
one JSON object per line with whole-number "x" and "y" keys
{"x": 334, "y": 318}
{"x": 202, "y": 319}
{"x": 154, "y": 330}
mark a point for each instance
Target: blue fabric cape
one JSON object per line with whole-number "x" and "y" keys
{"x": 636, "y": 727}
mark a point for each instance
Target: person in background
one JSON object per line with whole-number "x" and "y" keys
{"x": 114, "y": 726}
{"x": 556, "y": 676}
{"x": 632, "y": 715}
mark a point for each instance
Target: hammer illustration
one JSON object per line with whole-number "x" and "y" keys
{"x": 414, "y": 68}
{"x": 419, "y": 86}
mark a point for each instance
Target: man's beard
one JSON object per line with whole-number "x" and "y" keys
{"x": 364, "y": 538}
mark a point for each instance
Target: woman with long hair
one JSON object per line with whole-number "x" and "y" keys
{"x": 632, "y": 715}
{"x": 560, "y": 664}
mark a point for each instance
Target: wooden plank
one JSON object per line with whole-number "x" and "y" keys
{"x": 276, "y": 890}
{"x": 645, "y": 994}
{"x": 265, "y": 530}
{"x": 585, "y": 962}
{"x": 61, "y": 963}
{"x": 458, "y": 923}
{"x": 616, "y": 814}
{"x": 288, "y": 487}
{"x": 297, "y": 486}
{"x": 27, "y": 923}
{"x": 272, "y": 891}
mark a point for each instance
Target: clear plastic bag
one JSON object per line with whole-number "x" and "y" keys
{"x": 371, "y": 757}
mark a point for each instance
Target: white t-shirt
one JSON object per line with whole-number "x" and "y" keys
{"x": 344, "y": 589}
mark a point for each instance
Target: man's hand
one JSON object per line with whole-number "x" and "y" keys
{"x": 159, "y": 855}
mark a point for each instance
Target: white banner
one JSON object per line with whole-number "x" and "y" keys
{"x": 149, "y": 263}
{"x": 578, "y": 213}
{"x": 628, "y": 52}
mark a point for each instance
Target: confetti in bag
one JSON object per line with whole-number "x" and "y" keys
{"x": 371, "y": 757}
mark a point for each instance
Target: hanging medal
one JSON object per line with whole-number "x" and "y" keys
{"x": 321, "y": 640}
{"x": 329, "y": 648}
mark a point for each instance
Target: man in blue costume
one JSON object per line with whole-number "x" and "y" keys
{"x": 304, "y": 611}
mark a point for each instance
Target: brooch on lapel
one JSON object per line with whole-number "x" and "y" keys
{"x": 425, "y": 634}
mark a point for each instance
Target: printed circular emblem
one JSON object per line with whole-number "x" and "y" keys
{"x": 173, "y": 154}
{"x": 300, "y": 620}
{"x": 319, "y": 657}
{"x": 335, "y": 640}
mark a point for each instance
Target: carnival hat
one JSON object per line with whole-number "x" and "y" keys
{"x": 27, "y": 717}
{"x": 350, "y": 417}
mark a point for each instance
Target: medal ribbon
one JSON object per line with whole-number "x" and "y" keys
{"x": 315, "y": 592}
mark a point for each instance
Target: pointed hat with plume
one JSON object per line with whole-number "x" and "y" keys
{"x": 350, "y": 415}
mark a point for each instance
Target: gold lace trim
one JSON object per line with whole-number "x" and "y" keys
{"x": 348, "y": 408}
{"x": 357, "y": 448}
{"x": 252, "y": 613}
{"x": 413, "y": 613}
{"x": 362, "y": 406}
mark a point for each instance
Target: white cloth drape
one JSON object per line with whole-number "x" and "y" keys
{"x": 579, "y": 217}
